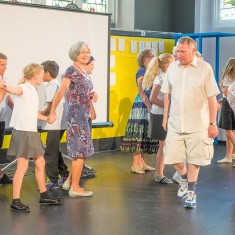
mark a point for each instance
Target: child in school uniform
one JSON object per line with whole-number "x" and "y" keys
{"x": 227, "y": 117}
{"x": 89, "y": 68}
{"x": 5, "y": 100}
{"x": 231, "y": 100}
{"x": 25, "y": 141}
{"x": 231, "y": 96}
{"x": 87, "y": 171}
{"x": 55, "y": 165}
{"x": 153, "y": 78}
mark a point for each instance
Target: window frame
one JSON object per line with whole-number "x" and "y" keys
{"x": 218, "y": 22}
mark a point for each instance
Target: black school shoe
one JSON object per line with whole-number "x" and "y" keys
{"x": 22, "y": 208}
{"x": 50, "y": 201}
{"x": 5, "y": 180}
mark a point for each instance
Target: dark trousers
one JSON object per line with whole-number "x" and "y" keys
{"x": 2, "y": 133}
{"x": 55, "y": 165}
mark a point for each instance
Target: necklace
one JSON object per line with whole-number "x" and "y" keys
{"x": 79, "y": 68}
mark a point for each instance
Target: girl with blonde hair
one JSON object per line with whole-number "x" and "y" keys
{"x": 25, "y": 141}
{"x": 154, "y": 78}
{"x": 227, "y": 121}
{"x": 152, "y": 71}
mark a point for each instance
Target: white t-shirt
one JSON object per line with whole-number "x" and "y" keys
{"x": 231, "y": 96}
{"x": 60, "y": 123}
{"x": 227, "y": 81}
{"x": 158, "y": 81}
{"x": 25, "y": 112}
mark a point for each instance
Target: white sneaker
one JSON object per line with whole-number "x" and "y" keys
{"x": 183, "y": 188}
{"x": 177, "y": 177}
{"x": 225, "y": 160}
{"x": 190, "y": 201}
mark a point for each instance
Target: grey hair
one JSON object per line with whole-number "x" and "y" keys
{"x": 188, "y": 40}
{"x": 75, "y": 49}
{"x": 2, "y": 56}
{"x": 142, "y": 55}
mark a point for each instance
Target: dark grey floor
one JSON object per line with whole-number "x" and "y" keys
{"x": 125, "y": 203}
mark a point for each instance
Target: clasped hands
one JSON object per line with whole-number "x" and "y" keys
{"x": 51, "y": 118}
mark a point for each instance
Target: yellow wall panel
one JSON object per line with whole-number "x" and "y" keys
{"x": 123, "y": 93}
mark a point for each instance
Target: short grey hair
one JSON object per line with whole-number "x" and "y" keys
{"x": 75, "y": 49}
{"x": 188, "y": 40}
{"x": 2, "y": 56}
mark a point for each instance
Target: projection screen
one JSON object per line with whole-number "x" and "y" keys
{"x": 33, "y": 33}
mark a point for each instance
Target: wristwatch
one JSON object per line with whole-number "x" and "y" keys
{"x": 212, "y": 123}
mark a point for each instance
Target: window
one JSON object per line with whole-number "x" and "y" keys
{"x": 224, "y": 15}
{"x": 87, "y": 5}
{"x": 227, "y": 10}
{"x": 94, "y": 5}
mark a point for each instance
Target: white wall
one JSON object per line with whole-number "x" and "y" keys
{"x": 111, "y": 6}
{"x": 125, "y": 18}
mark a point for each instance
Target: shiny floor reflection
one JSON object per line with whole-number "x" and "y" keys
{"x": 127, "y": 204}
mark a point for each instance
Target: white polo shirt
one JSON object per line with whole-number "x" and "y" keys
{"x": 25, "y": 112}
{"x": 3, "y": 106}
{"x": 60, "y": 123}
{"x": 158, "y": 81}
{"x": 189, "y": 88}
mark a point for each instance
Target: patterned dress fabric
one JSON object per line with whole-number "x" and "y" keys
{"x": 136, "y": 135}
{"x": 79, "y": 142}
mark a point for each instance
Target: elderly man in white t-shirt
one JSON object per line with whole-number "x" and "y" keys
{"x": 5, "y": 99}
{"x": 190, "y": 97}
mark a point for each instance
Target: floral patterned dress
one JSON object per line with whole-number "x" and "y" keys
{"x": 79, "y": 142}
{"x": 136, "y": 136}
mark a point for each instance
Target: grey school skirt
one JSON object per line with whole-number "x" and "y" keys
{"x": 27, "y": 144}
{"x": 155, "y": 129}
